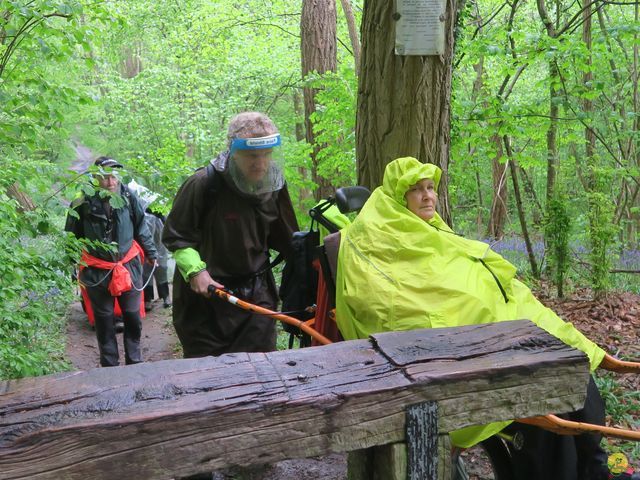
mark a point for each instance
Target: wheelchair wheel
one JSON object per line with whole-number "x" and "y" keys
{"x": 489, "y": 460}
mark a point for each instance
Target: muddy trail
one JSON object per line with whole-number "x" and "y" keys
{"x": 613, "y": 323}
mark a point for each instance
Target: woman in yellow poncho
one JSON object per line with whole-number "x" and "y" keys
{"x": 400, "y": 267}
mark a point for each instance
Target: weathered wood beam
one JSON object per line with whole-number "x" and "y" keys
{"x": 178, "y": 417}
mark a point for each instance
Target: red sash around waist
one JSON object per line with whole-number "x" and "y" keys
{"x": 120, "y": 276}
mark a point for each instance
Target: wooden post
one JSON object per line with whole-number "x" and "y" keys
{"x": 425, "y": 455}
{"x": 422, "y": 441}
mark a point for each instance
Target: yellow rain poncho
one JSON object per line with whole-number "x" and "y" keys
{"x": 399, "y": 272}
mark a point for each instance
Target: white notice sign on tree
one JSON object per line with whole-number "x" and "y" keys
{"x": 420, "y": 27}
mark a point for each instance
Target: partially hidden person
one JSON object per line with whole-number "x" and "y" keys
{"x": 154, "y": 274}
{"x": 111, "y": 266}
{"x": 401, "y": 267}
{"x": 160, "y": 274}
{"x": 225, "y": 219}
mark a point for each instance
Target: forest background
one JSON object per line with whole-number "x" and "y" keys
{"x": 542, "y": 160}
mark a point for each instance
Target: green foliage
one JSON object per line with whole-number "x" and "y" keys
{"x": 152, "y": 84}
{"x": 602, "y": 239}
{"x": 171, "y": 78}
{"x": 334, "y": 123}
{"x": 502, "y": 85}
{"x": 623, "y": 406}
{"x": 42, "y": 46}
{"x": 155, "y": 83}
{"x": 35, "y": 285}
{"x": 557, "y": 232}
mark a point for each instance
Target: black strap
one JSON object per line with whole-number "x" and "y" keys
{"x": 250, "y": 276}
{"x": 213, "y": 178}
{"x": 276, "y": 261}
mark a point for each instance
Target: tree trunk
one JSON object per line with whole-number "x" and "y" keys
{"x": 587, "y": 106}
{"x": 131, "y": 64}
{"x": 597, "y": 208}
{"x": 634, "y": 218}
{"x": 478, "y": 84}
{"x": 552, "y": 132}
{"x": 498, "y": 215}
{"x": 24, "y": 201}
{"x": 523, "y": 221}
{"x": 480, "y": 212}
{"x": 631, "y": 210}
{"x": 353, "y": 32}
{"x": 318, "y": 49}
{"x": 403, "y": 101}
{"x": 304, "y": 192}
{"x": 531, "y": 193}
{"x": 554, "y": 78}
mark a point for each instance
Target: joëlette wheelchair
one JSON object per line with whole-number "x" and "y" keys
{"x": 312, "y": 322}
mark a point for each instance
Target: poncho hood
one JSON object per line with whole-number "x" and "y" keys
{"x": 400, "y": 174}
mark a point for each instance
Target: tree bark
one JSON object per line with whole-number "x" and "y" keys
{"x": 131, "y": 64}
{"x": 353, "y": 32}
{"x": 498, "y": 215}
{"x": 304, "y": 192}
{"x": 629, "y": 197}
{"x": 24, "y": 201}
{"x": 531, "y": 192}
{"x": 552, "y": 131}
{"x": 403, "y": 101}
{"x": 318, "y": 49}
{"x": 478, "y": 84}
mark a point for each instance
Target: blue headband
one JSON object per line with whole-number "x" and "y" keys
{"x": 269, "y": 141}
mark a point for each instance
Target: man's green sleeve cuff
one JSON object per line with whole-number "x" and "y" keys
{"x": 188, "y": 262}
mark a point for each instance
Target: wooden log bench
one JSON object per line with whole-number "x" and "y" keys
{"x": 174, "y": 418}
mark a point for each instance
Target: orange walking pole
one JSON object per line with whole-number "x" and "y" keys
{"x": 567, "y": 427}
{"x": 561, "y": 426}
{"x": 619, "y": 366}
{"x": 226, "y": 296}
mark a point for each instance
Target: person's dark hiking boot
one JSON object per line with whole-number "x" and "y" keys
{"x": 148, "y": 307}
{"x": 166, "y": 303}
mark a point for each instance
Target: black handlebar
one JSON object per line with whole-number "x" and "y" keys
{"x": 347, "y": 199}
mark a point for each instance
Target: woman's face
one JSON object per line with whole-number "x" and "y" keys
{"x": 421, "y": 198}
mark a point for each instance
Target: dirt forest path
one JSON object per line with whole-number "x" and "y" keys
{"x": 159, "y": 341}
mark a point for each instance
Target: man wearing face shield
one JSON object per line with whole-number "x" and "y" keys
{"x": 225, "y": 219}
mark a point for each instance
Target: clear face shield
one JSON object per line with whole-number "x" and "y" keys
{"x": 255, "y": 164}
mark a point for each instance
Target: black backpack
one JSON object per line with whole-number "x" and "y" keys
{"x": 300, "y": 282}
